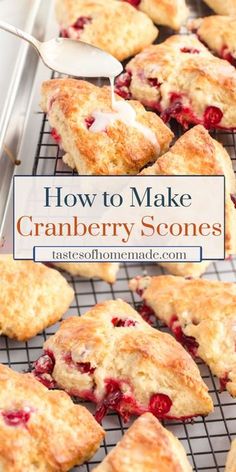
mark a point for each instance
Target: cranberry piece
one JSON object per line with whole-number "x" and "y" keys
{"x": 212, "y": 117}
{"x": 223, "y": 382}
{"x": 64, "y": 33}
{"x": 55, "y": 135}
{"x": 111, "y": 401}
{"x": 147, "y": 313}
{"x": 225, "y": 54}
{"x": 119, "y": 323}
{"x": 160, "y": 405}
{"x": 45, "y": 364}
{"x": 81, "y": 22}
{"x": 16, "y": 417}
{"x": 134, "y": 3}
{"x": 89, "y": 121}
{"x": 154, "y": 82}
{"x": 190, "y": 50}
{"x": 85, "y": 368}
{"x": 189, "y": 342}
{"x": 233, "y": 198}
{"x": 122, "y": 85}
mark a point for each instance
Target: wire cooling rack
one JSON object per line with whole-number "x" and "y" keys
{"x": 207, "y": 440}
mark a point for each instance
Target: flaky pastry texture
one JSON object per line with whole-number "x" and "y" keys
{"x": 40, "y": 429}
{"x": 231, "y": 459}
{"x": 103, "y": 270}
{"x": 218, "y": 33}
{"x": 182, "y": 79}
{"x": 32, "y": 297}
{"x": 172, "y": 13}
{"x": 115, "y": 27}
{"x": 119, "y": 148}
{"x": 112, "y": 357}
{"x": 145, "y": 447}
{"x": 226, "y": 7}
{"x": 201, "y": 314}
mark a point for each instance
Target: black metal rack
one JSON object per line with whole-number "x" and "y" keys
{"x": 207, "y": 440}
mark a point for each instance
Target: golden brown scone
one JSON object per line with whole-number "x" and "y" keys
{"x": 222, "y": 7}
{"x": 231, "y": 459}
{"x": 40, "y": 429}
{"x": 103, "y": 270}
{"x": 72, "y": 106}
{"x": 115, "y": 27}
{"x": 197, "y": 153}
{"x": 112, "y": 357}
{"x": 219, "y": 33}
{"x": 183, "y": 80}
{"x": 146, "y": 447}
{"x": 171, "y": 13}
{"x": 32, "y": 297}
{"x": 201, "y": 314}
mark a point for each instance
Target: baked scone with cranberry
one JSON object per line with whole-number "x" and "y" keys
{"x": 146, "y": 447}
{"x": 196, "y": 152}
{"x": 103, "y": 270}
{"x": 40, "y": 429}
{"x": 182, "y": 79}
{"x": 201, "y": 314}
{"x": 218, "y": 33}
{"x": 171, "y": 13}
{"x": 97, "y": 139}
{"x": 112, "y": 357}
{"x": 231, "y": 459}
{"x": 227, "y": 7}
{"x": 32, "y": 297}
{"x": 115, "y": 27}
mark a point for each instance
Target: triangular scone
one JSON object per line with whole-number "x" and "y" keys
{"x": 182, "y": 79}
{"x": 196, "y": 153}
{"x": 171, "y": 13}
{"x": 40, "y": 429}
{"x": 201, "y": 314}
{"x": 103, "y": 270}
{"x": 222, "y": 7}
{"x": 115, "y": 27}
{"x": 73, "y": 108}
{"x": 112, "y": 357}
{"x": 219, "y": 33}
{"x": 231, "y": 459}
{"x": 32, "y": 297}
{"x": 146, "y": 447}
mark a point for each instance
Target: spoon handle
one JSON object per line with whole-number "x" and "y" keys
{"x": 21, "y": 34}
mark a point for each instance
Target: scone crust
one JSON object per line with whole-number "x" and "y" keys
{"x": 231, "y": 459}
{"x": 171, "y": 13}
{"x": 205, "y": 310}
{"x": 210, "y": 158}
{"x": 188, "y": 80}
{"x": 109, "y": 352}
{"x": 146, "y": 444}
{"x": 104, "y": 270}
{"x": 115, "y": 27}
{"x": 70, "y": 102}
{"x": 32, "y": 297}
{"x": 227, "y": 7}
{"x": 55, "y": 436}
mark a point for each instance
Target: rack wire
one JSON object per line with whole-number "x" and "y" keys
{"x": 206, "y": 440}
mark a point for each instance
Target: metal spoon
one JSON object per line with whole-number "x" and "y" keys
{"x": 71, "y": 57}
